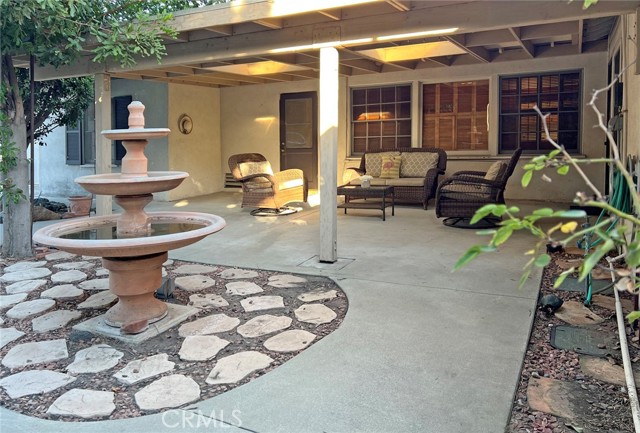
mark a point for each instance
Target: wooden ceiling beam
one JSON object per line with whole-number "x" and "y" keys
{"x": 478, "y": 53}
{"x": 226, "y": 30}
{"x": 334, "y": 15}
{"x": 527, "y": 46}
{"x": 399, "y": 5}
{"x": 270, "y": 23}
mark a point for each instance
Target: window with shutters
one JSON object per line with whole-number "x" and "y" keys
{"x": 556, "y": 94}
{"x": 380, "y": 118}
{"x": 80, "y": 140}
{"x": 454, "y": 115}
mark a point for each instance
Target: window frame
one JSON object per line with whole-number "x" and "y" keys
{"x": 407, "y": 120}
{"x": 519, "y": 114}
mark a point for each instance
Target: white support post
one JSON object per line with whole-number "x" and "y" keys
{"x": 416, "y": 121}
{"x": 329, "y": 109}
{"x": 102, "y": 94}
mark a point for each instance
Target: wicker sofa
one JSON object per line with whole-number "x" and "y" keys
{"x": 418, "y": 172}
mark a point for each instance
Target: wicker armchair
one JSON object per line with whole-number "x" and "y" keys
{"x": 462, "y": 194}
{"x": 264, "y": 189}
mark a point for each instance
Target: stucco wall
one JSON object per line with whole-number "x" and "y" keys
{"x": 53, "y": 177}
{"x": 250, "y": 119}
{"x": 199, "y": 152}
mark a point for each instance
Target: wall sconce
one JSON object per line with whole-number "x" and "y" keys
{"x": 185, "y": 124}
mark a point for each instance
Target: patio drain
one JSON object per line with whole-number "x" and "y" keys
{"x": 583, "y": 341}
{"x": 572, "y": 284}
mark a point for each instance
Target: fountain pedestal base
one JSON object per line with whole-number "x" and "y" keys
{"x": 134, "y": 280}
{"x": 176, "y": 314}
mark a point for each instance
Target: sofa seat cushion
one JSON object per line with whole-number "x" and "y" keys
{"x": 406, "y": 181}
{"x": 373, "y": 162}
{"x": 416, "y": 164}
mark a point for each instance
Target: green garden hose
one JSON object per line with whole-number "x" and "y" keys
{"x": 621, "y": 200}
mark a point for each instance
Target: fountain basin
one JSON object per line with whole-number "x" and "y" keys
{"x": 119, "y": 184}
{"x": 95, "y": 236}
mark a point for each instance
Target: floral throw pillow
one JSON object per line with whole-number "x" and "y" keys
{"x": 390, "y": 168}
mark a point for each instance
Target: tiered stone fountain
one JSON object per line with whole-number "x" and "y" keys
{"x": 134, "y": 244}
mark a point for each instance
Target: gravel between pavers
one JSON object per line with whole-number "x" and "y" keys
{"x": 168, "y": 342}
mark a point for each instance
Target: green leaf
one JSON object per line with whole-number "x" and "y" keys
{"x": 513, "y": 209}
{"x": 633, "y": 254}
{"x": 544, "y": 212}
{"x": 526, "y": 178}
{"x": 573, "y": 213}
{"x": 562, "y": 170}
{"x": 501, "y": 236}
{"x": 592, "y": 260}
{"x": 633, "y": 316}
{"x": 486, "y": 232}
{"x": 467, "y": 257}
{"x": 523, "y": 278}
{"x": 542, "y": 260}
{"x": 482, "y": 212}
{"x": 563, "y": 276}
{"x": 553, "y": 153}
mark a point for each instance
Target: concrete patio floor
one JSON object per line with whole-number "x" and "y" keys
{"x": 421, "y": 349}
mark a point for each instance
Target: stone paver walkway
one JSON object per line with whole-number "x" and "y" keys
{"x": 248, "y": 322}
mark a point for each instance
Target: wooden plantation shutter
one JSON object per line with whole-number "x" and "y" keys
{"x": 73, "y": 145}
{"x": 454, "y": 115}
{"x": 120, "y": 116}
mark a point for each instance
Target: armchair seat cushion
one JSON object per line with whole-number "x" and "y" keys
{"x": 291, "y": 183}
{"x": 258, "y": 186}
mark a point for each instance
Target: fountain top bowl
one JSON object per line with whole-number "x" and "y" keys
{"x": 128, "y": 246}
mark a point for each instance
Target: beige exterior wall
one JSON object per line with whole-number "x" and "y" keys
{"x": 198, "y": 152}
{"x": 250, "y": 119}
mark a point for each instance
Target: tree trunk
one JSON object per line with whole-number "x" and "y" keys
{"x": 16, "y": 228}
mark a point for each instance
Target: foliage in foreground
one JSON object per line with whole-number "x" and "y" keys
{"x": 616, "y": 231}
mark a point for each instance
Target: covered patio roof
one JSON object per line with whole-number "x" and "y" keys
{"x": 267, "y": 41}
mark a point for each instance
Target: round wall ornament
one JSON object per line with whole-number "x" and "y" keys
{"x": 185, "y": 124}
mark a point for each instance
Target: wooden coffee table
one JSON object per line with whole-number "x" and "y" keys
{"x": 356, "y": 192}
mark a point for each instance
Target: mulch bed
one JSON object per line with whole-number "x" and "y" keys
{"x": 607, "y": 409}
